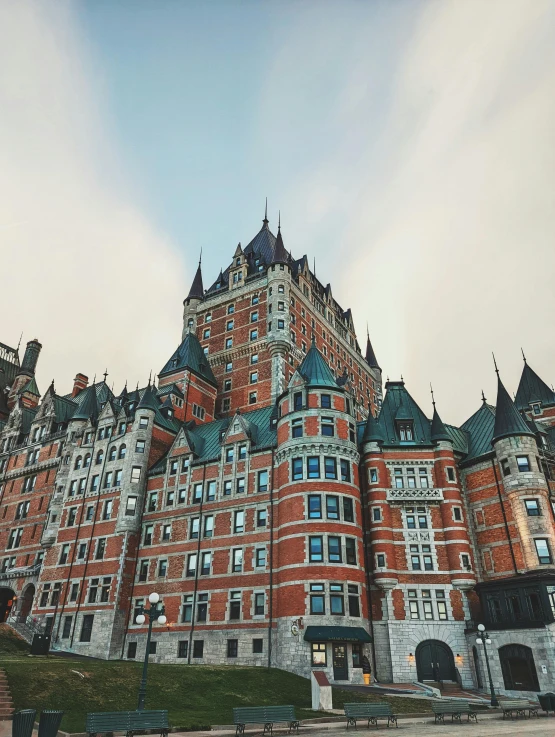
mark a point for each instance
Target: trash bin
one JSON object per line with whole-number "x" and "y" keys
{"x": 23, "y": 723}
{"x": 49, "y": 723}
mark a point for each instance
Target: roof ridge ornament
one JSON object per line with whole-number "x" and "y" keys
{"x": 523, "y": 356}
{"x": 265, "y": 221}
{"x": 483, "y": 397}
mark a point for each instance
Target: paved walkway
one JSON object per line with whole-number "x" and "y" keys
{"x": 488, "y": 726}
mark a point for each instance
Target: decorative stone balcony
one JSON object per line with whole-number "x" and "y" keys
{"x": 407, "y": 494}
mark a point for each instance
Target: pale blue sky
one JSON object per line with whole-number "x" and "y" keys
{"x": 410, "y": 145}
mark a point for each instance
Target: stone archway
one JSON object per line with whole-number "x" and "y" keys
{"x": 435, "y": 661}
{"x": 518, "y": 668}
{"x": 7, "y": 601}
{"x": 26, "y": 602}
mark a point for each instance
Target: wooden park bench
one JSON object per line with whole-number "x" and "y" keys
{"x": 452, "y": 707}
{"x": 518, "y": 708}
{"x": 266, "y": 715}
{"x": 129, "y": 722}
{"x": 372, "y": 712}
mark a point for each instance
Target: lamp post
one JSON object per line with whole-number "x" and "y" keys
{"x": 484, "y": 639}
{"x": 154, "y": 614}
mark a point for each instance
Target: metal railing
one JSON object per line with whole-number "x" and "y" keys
{"x": 27, "y": 627}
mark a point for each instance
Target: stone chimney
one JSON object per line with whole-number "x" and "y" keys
{"x": 79, "y": 383}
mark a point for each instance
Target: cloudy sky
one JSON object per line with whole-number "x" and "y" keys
{"x": 410, "y": 145}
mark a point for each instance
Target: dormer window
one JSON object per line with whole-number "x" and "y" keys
{"x": 405, "y": 430}
{"x": 238, "y": 261}
{"x": 536, "y": 408}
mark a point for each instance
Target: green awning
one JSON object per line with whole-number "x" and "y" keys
{"x": 336, "y": 634}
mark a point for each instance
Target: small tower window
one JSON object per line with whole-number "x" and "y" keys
{"x": 406, "y": 430}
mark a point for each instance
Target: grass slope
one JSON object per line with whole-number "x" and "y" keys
{"x": 196, "y": 696}
{"x": 10, "y": 643}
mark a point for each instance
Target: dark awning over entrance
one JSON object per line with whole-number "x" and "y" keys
{"x": 336, "y": 634}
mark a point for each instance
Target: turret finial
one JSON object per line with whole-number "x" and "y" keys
{"x": 523, "y": 356}
{"x": 279, "y": 220}
{"x": 266, "y": 221}
{"x": 483, "y": 397}
{"x": 495, "y": 364}
{"x": 432, "y": 393}
{"x": 105, "y": 374}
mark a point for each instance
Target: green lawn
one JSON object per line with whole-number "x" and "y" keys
{"x": 195, "y": 696}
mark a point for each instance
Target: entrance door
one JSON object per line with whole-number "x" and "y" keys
{"x": 6, "y": 602}
{"x": 434, "y": 661}
{"x": 340, "y": 670}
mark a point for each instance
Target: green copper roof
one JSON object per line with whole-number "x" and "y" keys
{"x": 399, "y": 405}
{"x": 88, "y": 406}
{"x": 64, "y": 409}
{"x": 372, "y": 430}
{"x": 459, "y": 438}
{"x": 206, "y": 439}
{"x": 27, "y": 417}
{"x": 479, "y": 429}
{"x": 197, "y": 290}
{"x": 31, "y": 387}
{"x": 190, "y": 356}
{"x": 149, "y": 399}
{"x": 438, "y": 429}
{"x": 532, "y": 389}
{"x": 315, "y": 371}
{"x": 508, "y": 420}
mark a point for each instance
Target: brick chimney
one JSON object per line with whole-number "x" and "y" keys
{"x": 79, "y": 383}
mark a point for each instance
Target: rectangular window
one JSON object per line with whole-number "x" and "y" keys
{"x": 505, "y": 467}
{"x": 254, "y": 334}
{"x": 413, "y": 610}
{"x": 316, "y": 549}
{"x": 143, "y": 571}
{"x": 380, "y": 560}
{"x": 131, "y": 506}
{"x": 315, "y": 506}
{"x": 297, "y": 428}
{"x": 351, "y": 551}
{"x": 428, "y": 611}
{"x": 229, "y": 452}
{"x": 297, "y": 401}
{"x": 239, "y": 521}
{"x": 262, "y": 481}
{"x": 227, "y": 488}
{"x": 332, "y": 507}
{"x": 240, "y": 485}
{"x": 373, "y": 475}
{"x": 345, "y": 470}
{"x": 523, "y": 463}
{"x": 107, "y": 511}
{"x": 442, "y": 610}
{"x": 194, "y": 528}
{"x": 252, "y": 397}
{"x": 237, "y": 560}
{"x": 337, "y": 603}
{"x": 232, "y": 646}
{"x": 259, "y": 604}
{"x": 260, "y": 557}
{"x": 330, "y": 467}
{"x": 325, "y": 401}
{"x": 328, "y": 427}
{"x": 182, "y": 648}
{"x": 317, "y": 599}
{"x": 197, "y": 493}
{"x": 313, "y": 467}
{"x": 257, "y": 645}
{"x": 348, "y": 511}
{"x": 187, "y": 611}
{"x": 235, "y": 605}
{"x": 533, "y": 508}
{"x": 319, "y": 654}
{"x": 100, "y": 548}
{"x": 376, "y": 514}
{"x": 334, "y": 549}
{"x": 64, "y": 554}
{"x": 210, "y": 491}
{"x": 208, "y": 525}
{"x": 398, "y": 477}
{"x": 135, "y": 474}
{"x": 451, "y": 473}
{"x": 206, "y": 560}
{"x": 261, "y": 518}
{"x": 198, "y": 648}
{"x": 86, "y": 628}
{"x": 191, "y": 564}
{"x": 297, "y": 469}
{"x": 542, "y": 549}
{"x": 140, "y": 446}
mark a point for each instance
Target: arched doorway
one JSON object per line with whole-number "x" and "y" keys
{"x": 477, "y": 667}
{"x": 518, "y": 668}
{"x": 26, "y": 602}
{"x": 435, "y": 661}
{"x": 7, "y": 600}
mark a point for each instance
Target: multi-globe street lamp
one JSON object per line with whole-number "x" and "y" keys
{"x": 484, "y": 639}
{"x": 154, "y": 614}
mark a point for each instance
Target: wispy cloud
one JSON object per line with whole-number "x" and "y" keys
{"x": 83, "y": 268}
{"x": 437, "y": 184}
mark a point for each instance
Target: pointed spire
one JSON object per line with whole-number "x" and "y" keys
{"x": 315, "y": 370}
{"x": 149, "y": 399}
{"x": 438, "y": 431}
{"x": 508, "y": 420}
{"x": 279, "y": 220}
{"x": 372, "y": 431}
{"x": 371, "y": 359}
{"x": 88, "y": 408}
{"x": 197, "y": 289}
{"x": 280, "y": 255}
{"x": 484, "y": 400}
{"x": 523, "y": 356}
{"x": 265, "y": 221}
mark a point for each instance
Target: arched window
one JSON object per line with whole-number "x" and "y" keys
{"x": 518, "y": 667}
{"x": 122, "y": 451}
{"x": 78, "y": 462}
{"x": 87, "y": 461}
{"x": 99, "y": 456}
{"x": 112, "y": 456}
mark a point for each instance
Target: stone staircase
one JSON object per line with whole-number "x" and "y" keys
{"x": 450, "y": 688}
{"x": 6, "y": 706}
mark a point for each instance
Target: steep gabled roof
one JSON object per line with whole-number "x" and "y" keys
{"x": 190, "y": 356}
{"x": 315, "y": 371}
{"x": 438, "y": 430}
{"x": 532, "y": 389}
{"x": 64, "y": 409}
{"x": 371, "y": 359}
{"x": 399, "y": 405}
{"x": 197, "y": 290}
{"x": 31, "y": 388}
{"x": 479, "y": 430}
{"x": 372, "y": 431}
{"x": 508, "y": 420}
